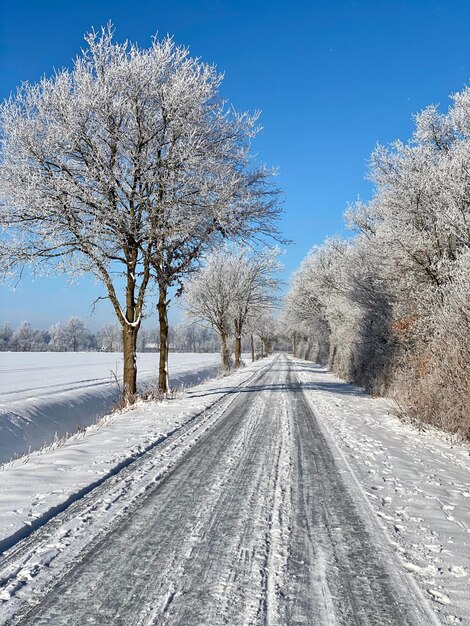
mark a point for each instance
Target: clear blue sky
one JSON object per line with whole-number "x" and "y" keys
{"x": 331, "y": 77}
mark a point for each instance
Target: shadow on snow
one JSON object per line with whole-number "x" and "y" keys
{"x": 295, "y": 387}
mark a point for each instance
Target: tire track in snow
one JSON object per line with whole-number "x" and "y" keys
{"x": 355, "y": 578}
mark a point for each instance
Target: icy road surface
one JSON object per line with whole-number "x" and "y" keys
{"x": 244, "y": 517}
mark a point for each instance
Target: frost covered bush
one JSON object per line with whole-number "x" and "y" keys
{"x": 389, "y": 308}
{"x": 339, "y": 314}
{"x": 434, "y": 380}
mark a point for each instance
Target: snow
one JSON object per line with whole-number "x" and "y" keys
{"x": 45, "y": 395}
{"x": 418, "y": 484}
{"x": 234, "y": 534}
{"x": 41, "y": 484}
{"x": 415, "y": 485}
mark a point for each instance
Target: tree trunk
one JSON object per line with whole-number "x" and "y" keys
{"x": 252, "y": 340}
{"x": 162, "y": 306}
{"x": 238, "y": 351}
{"x": 309, "y": 350}
{"x": 129, "y": 343}
{"x": 238, "y": 346}
{"x": 333, "y": 358}
{"x": 130, "y": 328}
{"x": 224, "y": 352}
{"x": 262, "y": 348}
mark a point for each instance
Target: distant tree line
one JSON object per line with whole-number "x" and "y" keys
{"x": 389, "y": 309}
{"x": 74, "y": 336}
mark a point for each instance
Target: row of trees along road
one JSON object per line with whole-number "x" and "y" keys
{"x": 129, "y": 166}
{"x": 389, "y": 308}
{"x": 234, "y": 292}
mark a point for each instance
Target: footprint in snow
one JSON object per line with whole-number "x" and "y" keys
{"x": 458, "y": 571}
{"x": 439, "y": 596}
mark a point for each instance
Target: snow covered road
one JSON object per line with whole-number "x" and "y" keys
{"x": 244, "y": 517}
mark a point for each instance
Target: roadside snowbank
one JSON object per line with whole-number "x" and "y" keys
{"x": 418, "y": 483}
{"x": 37, "y": 487}
{"x": 44, "y": 396}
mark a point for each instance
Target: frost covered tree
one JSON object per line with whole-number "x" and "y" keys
{"x": 266, "y": 327}
{"x": 191, "y": 336}
{"x": 75, "y": 174}
{"x": 208, "y": 189}
{"x": 6, "y": 334}
{"x": 109, "y": 338}
{"x": 23, "y": 338}
{"x": 388, "y": 308}
{"x": 338, "y": 310}
{"x": 303, "y": 315}
{"x": 147, "y": 337}
{"x": 125, "y": 167}
{"x": 229, "y": 290}
{"x": 57, "y": 338}
{"x": 71, "y": 337}
{"x": 208, "y": 297}
{"x": 76, "y": 334}
{"x": 254, "y": 286}
{"x": 41, "y": 340}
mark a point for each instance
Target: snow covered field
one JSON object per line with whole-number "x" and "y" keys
{"x": 44, "y": 395}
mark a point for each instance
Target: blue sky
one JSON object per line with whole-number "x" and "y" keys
{"x": 332, "y": 79}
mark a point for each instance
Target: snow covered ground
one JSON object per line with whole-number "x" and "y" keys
{"x": 252, "y": 460}
{"x": 241, "y": 516}
{"x": 33, "y": 486}
{"x": 418, "y": 484}
{"x": 36, "y": 488}
{"x": 45, "y": 395}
